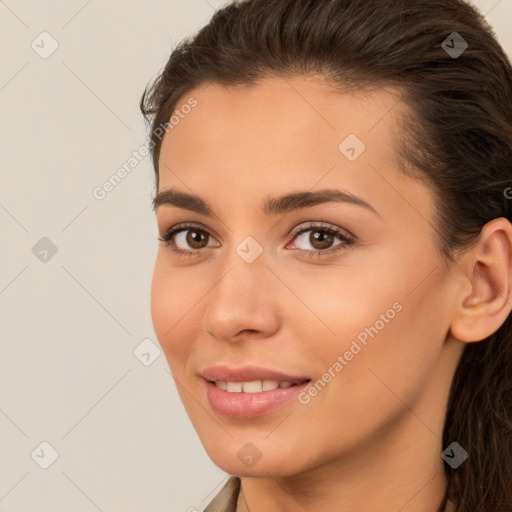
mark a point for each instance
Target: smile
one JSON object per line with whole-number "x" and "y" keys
{"x": 249, "y": 391}
{"x": 255, "y": 386}
{"x": 251, "y": 399}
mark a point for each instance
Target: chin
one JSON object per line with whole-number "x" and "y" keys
{"x": 248, "y": 461}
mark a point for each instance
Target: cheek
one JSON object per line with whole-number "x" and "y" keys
{"x": 344, "y": 305}
{"x": 171, "y": 305}
{"x": 386, "y": 320}
{"x": 397, "y": 362}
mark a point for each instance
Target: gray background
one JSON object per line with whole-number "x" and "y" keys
{"x": 69, "y": 324}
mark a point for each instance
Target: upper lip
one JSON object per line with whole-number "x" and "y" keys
{"x": 248, "y": 374}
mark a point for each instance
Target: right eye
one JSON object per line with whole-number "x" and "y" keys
{"x": 187, "y": 239}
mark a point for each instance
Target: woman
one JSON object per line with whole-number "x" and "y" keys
{"x": 333, "y": 285}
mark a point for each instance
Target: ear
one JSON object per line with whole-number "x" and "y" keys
{"x": 488, "y": 268}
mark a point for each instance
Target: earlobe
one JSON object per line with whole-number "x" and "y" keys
{"x": 488, "y": 267}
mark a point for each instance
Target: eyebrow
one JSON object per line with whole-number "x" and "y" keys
{"x": 271, "y": 205}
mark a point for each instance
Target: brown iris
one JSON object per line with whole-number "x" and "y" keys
{"x": 321, "y": 239}
{"x": 195, "y": 238}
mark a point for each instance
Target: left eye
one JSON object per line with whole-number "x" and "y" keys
{"x": 321, "y": 239}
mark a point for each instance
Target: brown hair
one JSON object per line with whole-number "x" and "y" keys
{"x": 456, "y": 135}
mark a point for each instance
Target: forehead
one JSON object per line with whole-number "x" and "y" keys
{"x": 298, "y": 104}
{"x": 278, "y": 116}
{"x": 280, "y": 134}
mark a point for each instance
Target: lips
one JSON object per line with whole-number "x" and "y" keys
{"x": 250, "y": 391}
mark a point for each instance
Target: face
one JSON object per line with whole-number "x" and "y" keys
{"x": 344, "y": 296}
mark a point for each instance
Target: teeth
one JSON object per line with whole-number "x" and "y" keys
{"x": 222, "y": 384}
{"x": 255, "y": 386}
{"x": 235, "y": 387}
{"x": 252, "y": 387}
{"x": 269, "y": 385}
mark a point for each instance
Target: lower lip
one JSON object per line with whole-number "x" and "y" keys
{"x": 249, "y": 405}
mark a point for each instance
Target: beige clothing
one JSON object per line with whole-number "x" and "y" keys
{"x": 227, "y": 498}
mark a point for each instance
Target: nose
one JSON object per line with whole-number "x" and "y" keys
{"x": 244, "y": 303}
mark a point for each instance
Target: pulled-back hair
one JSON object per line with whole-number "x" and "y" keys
{"x": 455, "y": 134}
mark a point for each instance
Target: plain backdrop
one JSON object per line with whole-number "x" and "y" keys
{"x": 83, "y": 388}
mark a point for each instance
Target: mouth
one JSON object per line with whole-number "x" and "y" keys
{"x": 249, "y": 392}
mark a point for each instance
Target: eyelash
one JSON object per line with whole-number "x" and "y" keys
{"x": 347, "y": 240}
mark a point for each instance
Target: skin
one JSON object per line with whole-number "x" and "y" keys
{"x": 372, "y": 438}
